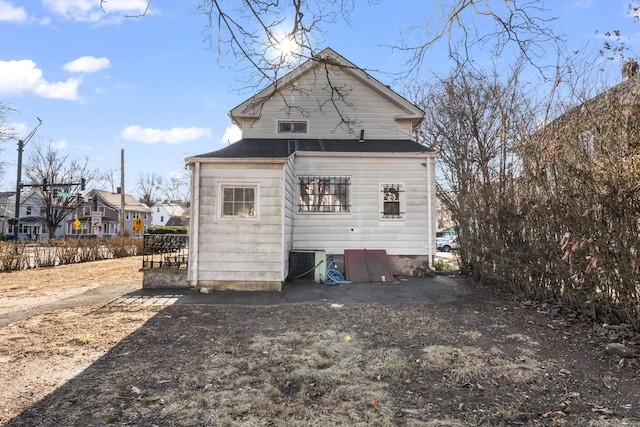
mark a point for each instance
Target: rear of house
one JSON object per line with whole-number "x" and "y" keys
{"x": 313, "y": 175}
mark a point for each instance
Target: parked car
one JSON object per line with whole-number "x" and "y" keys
{"x": 446, "y": 245}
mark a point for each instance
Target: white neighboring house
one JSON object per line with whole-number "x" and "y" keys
{"x": 164, "y": 212}
{"x": 33, "y": 221}
{"x": 327, "y": 162}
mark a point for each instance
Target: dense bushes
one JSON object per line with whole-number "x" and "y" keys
{"x": 569, "y": 233}
{"x": 546, "y": 209}
{"x": 23, "y": 255}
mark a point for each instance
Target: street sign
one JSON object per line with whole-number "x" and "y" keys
{"x": 138, "y": 224}
{"x": 96, "y": 219}
{"x": 76, "y": 223}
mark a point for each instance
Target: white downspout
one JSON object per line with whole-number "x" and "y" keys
{"x": 194, "y": 227}
{"x": 430, "y": 199}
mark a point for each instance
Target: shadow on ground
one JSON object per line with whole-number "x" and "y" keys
{"x": 355, "y": 356}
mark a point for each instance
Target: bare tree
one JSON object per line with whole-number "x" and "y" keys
{"x": 109, "y": 176}
{"x": 63, "y": 175}
{"x": 472, "y": 120}
{"x": 147, "y": 188}
{"x": 6, "y": 132}
{"x": 176, "y": 189}
{"x": 269, "y": 38}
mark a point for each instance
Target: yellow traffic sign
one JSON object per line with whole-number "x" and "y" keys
{"x": 76, "y": 223}
{"x": 138, "y": 224}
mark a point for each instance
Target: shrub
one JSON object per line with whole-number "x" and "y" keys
{"x": 166, "y": 230}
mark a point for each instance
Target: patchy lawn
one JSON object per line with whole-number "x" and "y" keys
{"x": 485, "y": 360}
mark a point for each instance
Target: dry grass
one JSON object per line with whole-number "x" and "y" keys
{"x": 476, "y": 363}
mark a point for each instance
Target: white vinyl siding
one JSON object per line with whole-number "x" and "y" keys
{"x": 241, "y": 250}
{"x": 288, "y": 211}
{"x": 363, "y": 226}
{"x": 365, "y": 108}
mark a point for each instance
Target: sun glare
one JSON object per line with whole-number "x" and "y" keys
{"x": 286, "y": 47}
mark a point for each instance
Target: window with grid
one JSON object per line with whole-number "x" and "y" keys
{"x": 392, "y": 201}
{"x": 324, "y": 194}
{"x": 285, "y": 126}
{"x": 239, "y": 201}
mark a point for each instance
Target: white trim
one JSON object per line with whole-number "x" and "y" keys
{"x": 194, "y": 227}
{"x": 256, "y": 208}
{"x": 429, "y": 166}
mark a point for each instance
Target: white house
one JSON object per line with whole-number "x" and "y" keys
{"x": 33, "y": 222}
{"x": 163, "y": 212}
{"x": 327, "y": 163}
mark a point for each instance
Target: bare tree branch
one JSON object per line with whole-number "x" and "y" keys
{"x": 6, "y": 132}
{"x": 63, "y": 173}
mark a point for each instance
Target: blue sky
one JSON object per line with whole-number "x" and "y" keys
{"x": 101, "y": 82}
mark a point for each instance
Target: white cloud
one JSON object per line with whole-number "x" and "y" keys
{"x": 231, "y": 135}
{"x": 11, "y": 13}
{"x": 18, "y": 127}
{"x": 90, "y": 11}
{"x": 172, "y": 136}
{"x": 87, "y": 64}
{"x": 59, "y": 145}
{"x": 20, "y": 77}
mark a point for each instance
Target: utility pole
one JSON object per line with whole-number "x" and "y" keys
{"x": 122, "y": 199}
{"x": 21, "y": 145}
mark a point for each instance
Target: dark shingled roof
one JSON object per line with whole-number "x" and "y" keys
{"x": 283, "y": 148}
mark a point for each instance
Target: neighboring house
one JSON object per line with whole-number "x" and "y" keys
{"x": 33, "y": 222}
{"x": 109, "y": 205}
{"x": 605, "y": 126}
{"x": 327, "y": 163}
{"x": 6, "y": 212}
{"x": 166, "y": 213}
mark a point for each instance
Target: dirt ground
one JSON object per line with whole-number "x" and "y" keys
{"x": 486, "y": 360}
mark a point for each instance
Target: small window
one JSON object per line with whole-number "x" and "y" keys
{"x": 239, "y": 201}
{"x": 324, "y": 194}
{"x": 162, "y": 219}
{"x": 86, "y": 211}
{"x": 28, "y": 209}
{"x": 292, "y": 127}
{"x": 392, "y": 201}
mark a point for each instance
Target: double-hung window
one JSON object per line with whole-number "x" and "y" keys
{"x": 392, "y": 201}
{"x": 239, "y": 201}
{"x": 324, "y": 194}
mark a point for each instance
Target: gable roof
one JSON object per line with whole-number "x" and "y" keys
{"x": 173, "y": 209}
{"x": 625, "y": 94}
{"x": 261, "y": 148}
{"x": 248, "y": 109}
{"x": 113, "y": 200}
